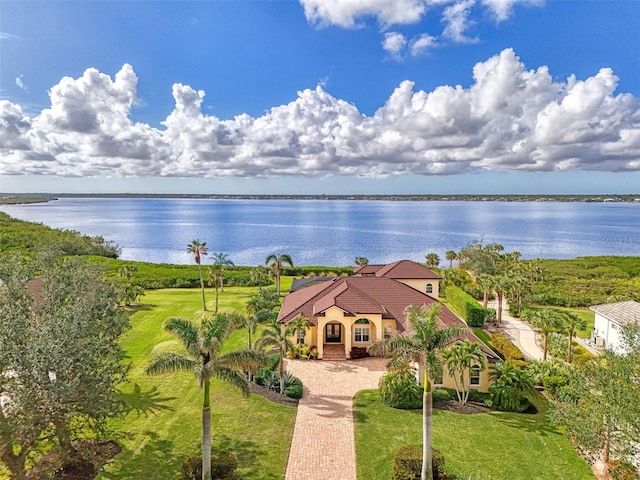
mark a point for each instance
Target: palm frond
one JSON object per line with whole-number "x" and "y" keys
{"x": 244, "y": 359}
{"x": 186, "y": 331}
{"x": 232, "y": 377}
{"x": 169, "y": 362}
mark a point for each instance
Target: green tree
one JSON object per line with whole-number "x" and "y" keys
{"x": 433, "y": 260}
{"x": 459, "y": 358}
{"x": 571, "y": 323}
{"x": 546, "y": 321}
{"x": 361, "y": 261}
{"x": 128, "y": 271}
{"x": 422, "y": 346}
{"x": 451, "y": 255}
{"x": 500, "y": 284}
{"x": 276, "y": 264}
{"x": 216, "y": 278}
{"x": 198, "y": 250}
{"x": 600, "y": 407}
{"x": 485, "y": 283}
{"x": 259, "y": 276}
{"x": 298, "y": 326}
{"x": 221, "y": 260}
{"x": 264, "y": 299}
{"x": 275, "y": 336}
{"x": 204, "y": 344}
{"x": 511, "y": 387}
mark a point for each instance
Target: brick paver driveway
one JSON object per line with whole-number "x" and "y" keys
{"x": 323, "y": 446}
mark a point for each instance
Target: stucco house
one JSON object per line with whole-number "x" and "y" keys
{"x": 353, "y": 312}
{"x": 609, "y": 320}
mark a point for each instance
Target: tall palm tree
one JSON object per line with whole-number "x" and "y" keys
{"x": 203, "y": 344}
{"x": 198, "y": 250}
{"x": 451, "y": 255}
{"x": 421, "y": 346}
{"x": 276, "y": 337}
{"x": 570, "y": 324}
{"x": 485, "y": 283}
{"x": 221, "y": 260}
{"x": 500, "y": 285}
{"x": 276, "y": 262}
{"x": 546, "y": 321}
{"x": 459, "y": 358}
{"x": 432, "y": 260}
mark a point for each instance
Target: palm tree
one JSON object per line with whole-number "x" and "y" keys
{"x": 215, "y": 278}
{"x": 511, "y": 387}
{"x": 198, "y": 250}
{"x": 361, "y": 261}
{"x": 204, "y": 344}
{"x": 451, "y": 255}
{"x": 127, "y": 271}
{"x": 485, "y": 283}
{"x": 276, "y": 263}
{"x": 500, "y": 285}
{"x": 422, "y": 347}
{"x": 432, "y": 260}
{"x": 459, "y": 358}
{"x": 299, "y": 325}
{"x": 221, "y": 260}
{"x": 276, "y": 337}
{"x": 570, "y": 324}
{"x": 546, "y": 321}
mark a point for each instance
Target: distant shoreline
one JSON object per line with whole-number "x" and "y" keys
{"x": 25, "y": 198}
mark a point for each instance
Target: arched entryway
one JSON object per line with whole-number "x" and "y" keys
{"x": 333, "y": 333}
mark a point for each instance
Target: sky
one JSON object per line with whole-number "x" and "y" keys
{"x": 320, "y": 96}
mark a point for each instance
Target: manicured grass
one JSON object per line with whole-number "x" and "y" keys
{"x": 484, "y": 446}
{"x": 482, "y": 335}
{"x": 164, "y": 425}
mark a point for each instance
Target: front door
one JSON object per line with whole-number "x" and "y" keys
{"x": 333, "y": 333}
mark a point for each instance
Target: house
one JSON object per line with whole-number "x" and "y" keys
{"x": 609, "y": 320}
{"x": 353, "y": 312}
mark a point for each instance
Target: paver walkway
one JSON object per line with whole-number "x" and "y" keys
{"x": 519, "y": 332}
{"x": 323, "y": 444}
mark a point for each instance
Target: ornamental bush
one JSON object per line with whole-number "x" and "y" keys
{"x": 293, "y": 391}
{"x": 399, "y": 389}
{"x": 223, "y": 466}
{"x": 407, "y": 464}
{"x": 506, "y": 348}
{"x": 466, "y": 306}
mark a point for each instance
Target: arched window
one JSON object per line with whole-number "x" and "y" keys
{"x": 475, "y": 375}
{"x": 363, "y": 332}
{"x": 429, "y": 288}
{"x": 388, "y": 332}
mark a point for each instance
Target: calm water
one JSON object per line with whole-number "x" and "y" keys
{"x": 321, "y": 232}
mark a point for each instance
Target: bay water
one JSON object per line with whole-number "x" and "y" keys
{"x": 335, "y": 232}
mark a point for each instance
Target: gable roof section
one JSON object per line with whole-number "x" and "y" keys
{"x": 623, "y": 313}
{"x": 402, "y": 269}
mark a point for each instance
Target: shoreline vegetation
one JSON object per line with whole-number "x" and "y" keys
{"x": 25, "y": 198}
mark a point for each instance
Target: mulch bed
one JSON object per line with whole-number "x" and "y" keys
{"x": 93, "y": 454}
{"x": 275, "y": 397}
{"x": 457, "y": 407}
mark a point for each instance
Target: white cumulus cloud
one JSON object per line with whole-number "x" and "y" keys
{"x": 422, "y": 43}
{"x": 510, "y": 118}
{"x": 394, "y": 44}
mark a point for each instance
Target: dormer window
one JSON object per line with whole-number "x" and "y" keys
{"x": 429, "y": 288}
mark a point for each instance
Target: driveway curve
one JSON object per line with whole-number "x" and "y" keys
{"x": 323, "y": 443}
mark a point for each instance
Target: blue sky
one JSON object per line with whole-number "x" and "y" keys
{"x": 320, "y": 96}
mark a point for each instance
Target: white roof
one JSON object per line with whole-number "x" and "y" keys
{"x": 623, "y": 313}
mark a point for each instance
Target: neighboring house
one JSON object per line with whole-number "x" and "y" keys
{"x": 609, "y": 320}
{"x": 353, "y": 312}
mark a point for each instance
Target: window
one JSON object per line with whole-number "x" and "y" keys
{"x": 388, "y": 332}
{"x": 429, "y": 288}
{"x": 362, "y": 334}
{"x": 300, "y": 336}
{"x": 475, "y": 375}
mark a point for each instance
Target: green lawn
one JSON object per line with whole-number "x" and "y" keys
{"x": 483, "y": 446}
{"x": 163, "y": 427}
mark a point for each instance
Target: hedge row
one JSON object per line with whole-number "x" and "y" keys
{"x": 466, "y": 306}
{"x": 506, "y": 348}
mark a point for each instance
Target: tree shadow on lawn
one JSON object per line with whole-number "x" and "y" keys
{"x": 155, "y": 461}
{"x": 145, "y": 403}
{"x": 248, "y": 454}
{"x": 527, "y": 422}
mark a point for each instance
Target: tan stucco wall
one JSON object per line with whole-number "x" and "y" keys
{"x": 449, "y": 382}
{"x": 336, "y": 315}
{"x": 421, "y": 286}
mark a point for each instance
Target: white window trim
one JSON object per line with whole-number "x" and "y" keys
{"x": 362, "y": 332}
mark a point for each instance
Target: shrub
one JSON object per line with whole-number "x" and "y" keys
{"x": 359, "y": 352}
{"x": 466, "y": 306}
{"x": 443, "y": 394}
{"x": 293, "y": 391}
{"x": 506, "y": 348}
{"x": 223, "y": 466}
{"x": 399, "y": 389}
{"x": 407, "y": 464}
{"x": 623, "y": 471}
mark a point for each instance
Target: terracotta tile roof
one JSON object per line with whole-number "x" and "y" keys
{"x": 623, "y": 313}
{"x": 405, "y": 269}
